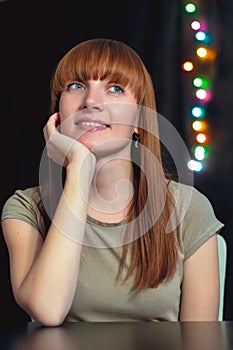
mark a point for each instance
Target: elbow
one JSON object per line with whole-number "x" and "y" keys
{"x": 44, "y": 313}
{"x": 47, "y": 320}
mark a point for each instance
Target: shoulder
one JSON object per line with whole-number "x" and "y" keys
{"x": 26, "y": 205}
{"x": 27, "y": 197}
{"x": 194, "y": 215}
{"x": 190, "y": 200}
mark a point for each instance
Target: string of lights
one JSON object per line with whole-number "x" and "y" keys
{"x": 198, "y": 69}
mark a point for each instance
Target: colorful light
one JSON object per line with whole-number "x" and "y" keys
{"x": 205, "y": 53}
{"x": 187, "y": 66}
{"x": 203, "y": 37}
{"x": 195, "y": 25}
{"x": 195, "y": 165}
{"x": 201, "y": 52}
{"x": 201, "y": 94}
{"x": 201, "y": 138}
{"x": 200, "y": 36}
{"x": 190, "y": 7}
{"x": 201, "y": 82}
{"x": 199, "y": 125}
{"x": 211, "y": 54}
{"x": 198, "y": 111}
{"x": 200, "y": 152}
{"x": 197, "y": 82}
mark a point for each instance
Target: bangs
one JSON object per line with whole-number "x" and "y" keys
{"x": 101, "y": 59}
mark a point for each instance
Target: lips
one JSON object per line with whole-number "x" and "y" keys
{"x": 88, "y": 125}
{"x": 94, "y": 124}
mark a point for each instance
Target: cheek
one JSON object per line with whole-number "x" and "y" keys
{"x": 67, "y": 126}
{"x": 126, "y": 114}
{"x": 67, "y": 106}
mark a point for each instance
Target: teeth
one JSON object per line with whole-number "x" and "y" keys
{"x": 92, "y": 124}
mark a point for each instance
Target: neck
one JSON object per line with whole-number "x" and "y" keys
{"x": 111, "y": 190}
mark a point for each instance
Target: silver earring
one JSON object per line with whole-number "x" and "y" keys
{"x": 137, "y": 142}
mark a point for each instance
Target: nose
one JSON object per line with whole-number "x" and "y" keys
{"x": 92, "y": 99}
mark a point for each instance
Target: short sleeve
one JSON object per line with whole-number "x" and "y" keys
{"x": 24, "y": 205}
{"x": 199, "y": 223}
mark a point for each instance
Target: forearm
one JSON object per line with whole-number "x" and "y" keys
{"x": 47, "y": 290}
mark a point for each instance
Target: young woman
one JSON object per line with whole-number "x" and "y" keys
{"x": 96, "y": 242}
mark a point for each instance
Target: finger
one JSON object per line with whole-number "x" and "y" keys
{"x": 50, "y": 126}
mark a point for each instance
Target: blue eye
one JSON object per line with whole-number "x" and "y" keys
{"x": 76, "y": 86}
{"x": 116, "y": 89}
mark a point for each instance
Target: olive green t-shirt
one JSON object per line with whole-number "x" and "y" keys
{"x": 99, "y": 296}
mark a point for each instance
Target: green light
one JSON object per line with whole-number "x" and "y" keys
{"x": 200, "y": 152}
{"x": 201, "y": 82}
{"x": 190, "y": 7}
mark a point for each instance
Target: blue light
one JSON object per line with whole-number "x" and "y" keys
{"x": 195, "y": 165}
{"x": 203, "y": 37}
{"x": 200, "y": 36}
{"x": 198, "y": 111}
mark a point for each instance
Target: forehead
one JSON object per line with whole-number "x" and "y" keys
{"x": 100, "y": 72}
{"x": 115, "y": 63}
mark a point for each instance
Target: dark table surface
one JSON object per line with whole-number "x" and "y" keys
{"x": 120, "y": 336}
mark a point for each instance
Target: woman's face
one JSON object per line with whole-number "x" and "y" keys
{"x": 99, "y": 114}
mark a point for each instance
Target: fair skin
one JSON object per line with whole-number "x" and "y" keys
{"x": 115, "y": 110}
{"x": 44, "y": 274}
{"x": 200, "y": 290}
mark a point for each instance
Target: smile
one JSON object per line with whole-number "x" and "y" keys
{"x": 92, "y": 124}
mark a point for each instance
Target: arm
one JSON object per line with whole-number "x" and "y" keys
{"x": 200, "y": 288}
{"x": 44, "y": 274}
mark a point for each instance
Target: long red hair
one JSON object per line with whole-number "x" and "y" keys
{"x": 153, "y": 253}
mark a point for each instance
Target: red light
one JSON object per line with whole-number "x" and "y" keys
{"x": 187, "y": 66}
{"x": 201, "y": 138}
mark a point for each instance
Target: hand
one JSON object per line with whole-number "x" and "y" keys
{"x": 63, "y": 149}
